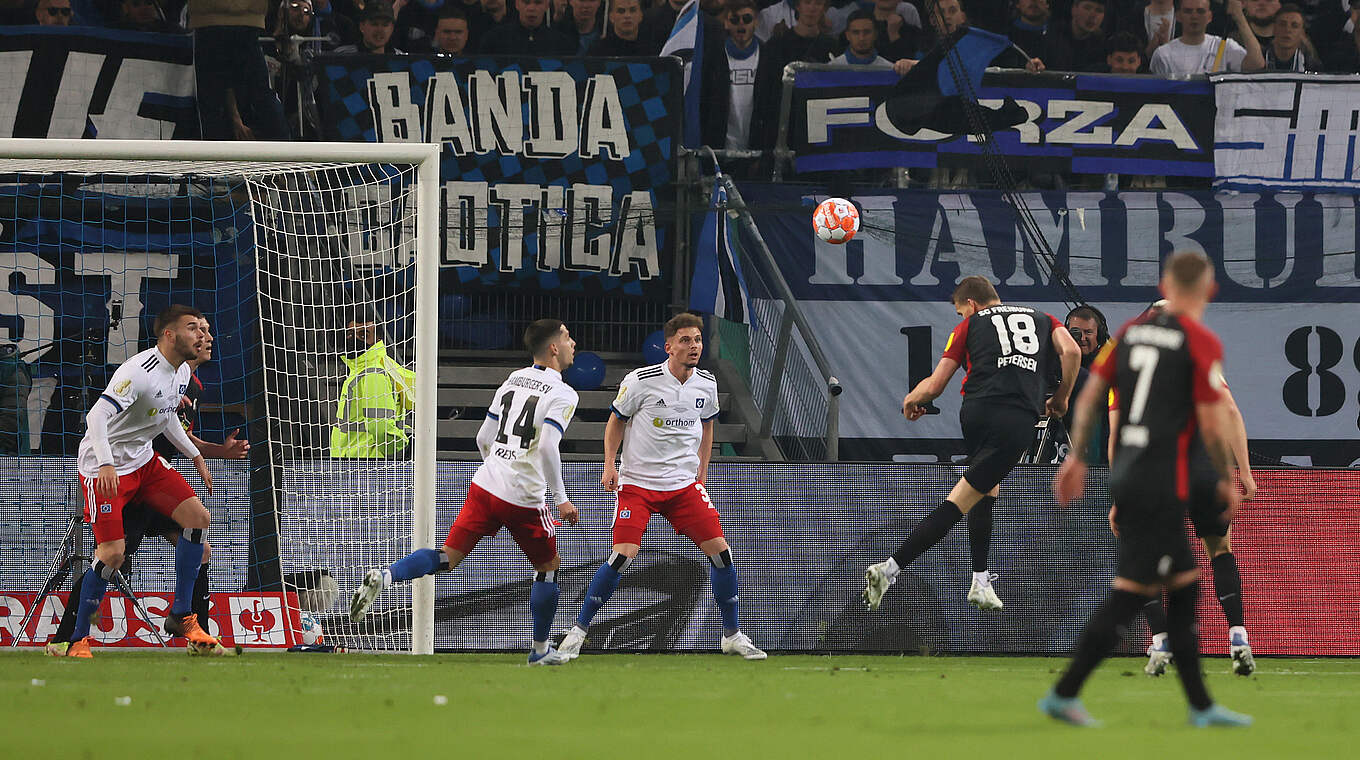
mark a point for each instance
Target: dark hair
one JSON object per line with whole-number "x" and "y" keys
{"x": 540, "y": 334}
{"x": 1124, "y": 42}
{"x": 861, "y": 15}
{"x": 680, "y": 321}
{"x": 1185, "y": 268}
{"x": 450, "y": 11}
{"x": 977, "y": 288}
{"x": 171, "y": 315}
{"x": 1293, "y": 8}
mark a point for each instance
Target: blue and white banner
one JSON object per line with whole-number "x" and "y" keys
{"x": 1287, "y": 131}
{"x": 83, "y": 82}
{"x": 687, "y": 43}
{"x": 718, "y": 286}
{"x": 1289, "y": 289}
{"x": 1078, "y": 123}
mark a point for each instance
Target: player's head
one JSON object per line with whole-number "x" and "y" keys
{"x": 1188, "y": 282}
{"x": 205, "y": 344}
{"x": 973, "y": 294}
{"x": 178, "y": 332}
{"x": 685, "y": 339}
{"x": 550, "y": 343}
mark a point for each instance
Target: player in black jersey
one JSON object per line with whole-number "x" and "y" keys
{"x": 1165, "y": 369}
{"x": 1206, "y": 515}
{"x": 1007, "y": 352}
{"x": 140, "y": 522}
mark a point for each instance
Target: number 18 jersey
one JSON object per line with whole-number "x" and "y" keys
{"x": 1007, "y": 352}
{"x": 528, "y": 401}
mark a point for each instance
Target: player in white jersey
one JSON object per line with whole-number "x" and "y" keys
{"x": 520, "y": 461}
{"x": 668, "y": 411}
{"x": 118, "y": 466}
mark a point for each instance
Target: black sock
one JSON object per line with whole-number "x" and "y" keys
{"x": 1103, "y": 631}
{"x": 980, "y": 532}
{"x": 68, "y": 618}
{"x": 201, "y": 598}
{"x": 1156, "y": 615}
{"x": 1228, "y": 587}
{"x": 1184, "y": 640}
{"x": 927, "y": 533}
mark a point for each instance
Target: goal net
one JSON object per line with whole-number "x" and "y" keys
{"x": 316, "y": 267}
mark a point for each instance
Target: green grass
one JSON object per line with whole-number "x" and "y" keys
{"x": 647, "y": 706}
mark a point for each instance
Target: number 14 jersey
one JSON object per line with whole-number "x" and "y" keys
{"x": 528, "y": 402}
{"x": 1007, "y": 352}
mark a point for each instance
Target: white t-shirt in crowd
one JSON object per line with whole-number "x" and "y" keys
{"x": 771, "y": 17}
{"x": 665, "y": 425}
{"x": 144, "y": 395}
{"x": 528, "y": 400}
{"x": 1176, "y": 57}
{"x": 743, "y": 97}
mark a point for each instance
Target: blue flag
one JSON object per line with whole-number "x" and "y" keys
{"x": 971, "y": 54}
{"x": 687, "y": 43}
{"x": 718, "y": 286}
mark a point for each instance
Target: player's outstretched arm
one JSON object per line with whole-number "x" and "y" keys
{"x": 613, "y": 439}
{"x": 231, "y": 448}
{"x": 1069, "y": 355}
{"x": 929, "y": 389}
{"x": 549, "y": 447}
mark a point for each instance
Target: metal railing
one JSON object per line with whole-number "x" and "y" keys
{"x": 790, "y": 379}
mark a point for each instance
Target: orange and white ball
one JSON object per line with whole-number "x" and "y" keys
{"x": 836, "y": 220}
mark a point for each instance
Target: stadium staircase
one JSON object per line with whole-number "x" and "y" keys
{"x": 469, "y": 377}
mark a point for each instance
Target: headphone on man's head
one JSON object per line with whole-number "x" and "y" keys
{"x": 1102, "y": 327}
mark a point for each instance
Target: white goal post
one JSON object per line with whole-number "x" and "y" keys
{"x": 419, "y": 166}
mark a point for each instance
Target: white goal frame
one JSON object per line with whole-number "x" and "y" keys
{"x": 425, "y": 157}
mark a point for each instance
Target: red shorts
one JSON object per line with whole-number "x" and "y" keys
{"x": 689, "y": 511}
{"x": 155, "y": 485}
{"x": 483, "y": 514}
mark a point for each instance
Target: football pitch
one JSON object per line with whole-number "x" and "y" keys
{"x": 141, "y": 705}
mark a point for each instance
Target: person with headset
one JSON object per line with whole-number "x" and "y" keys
{"x": 1091, "y": 332}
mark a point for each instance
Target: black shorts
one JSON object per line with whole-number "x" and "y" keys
{"x": 996, "y": 436}
{"x": 140, "y": 522}
{"x": 1151, "y": 519}
{"x": 1206, "y": 509}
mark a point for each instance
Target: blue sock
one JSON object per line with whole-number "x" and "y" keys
{"x": 723, "y": 576}
{"x": 601, "y": 587}
{"x": 417, "y": 564}
{"x": 91, "y": 594}
{"x": 188, "y": 557}
{"x": 543, "y": 603}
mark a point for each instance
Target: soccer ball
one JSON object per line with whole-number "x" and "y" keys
{"x": 311, "y": 629}
{"x": 836, "y": 220}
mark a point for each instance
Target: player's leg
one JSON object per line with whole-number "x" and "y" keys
{"x": 108, "y": 557}
{"x": 1182, "y": 598}
{"x": 60, "y": 642}
{"x": 930, "y": 531}
{"x": 476, "y": 519}
{"x": 193, "y": 519}
{"x": 631, "y": 515}
{"x": 1100, "y": 636}
{"x": 1228, "y": 589}
{"x": 1159, "y": 651}
{"x": 536, "y": 533}
{"x": 980, "y": 592}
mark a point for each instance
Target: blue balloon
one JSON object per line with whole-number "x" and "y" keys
{"x": 654, "y": 348}
{"x": 586, "y": 372}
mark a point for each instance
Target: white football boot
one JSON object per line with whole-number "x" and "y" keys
{"x": 740, "y": 644}
{"x": 1159, "y": 656}
{"x": 1243, "y": 664}
{"x": 550, "y": 657}
{"x": 571, "y": 643}
{"x": 877, "y": 579}
{"x": 365, "y": 595}
{"x": 982, "y": 595}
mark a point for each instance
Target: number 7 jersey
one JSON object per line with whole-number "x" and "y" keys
{"x": 529, "y": 401}
{"x": 1007, "y": 352}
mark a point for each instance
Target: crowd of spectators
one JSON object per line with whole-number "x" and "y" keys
{"x": 748, "y": 42}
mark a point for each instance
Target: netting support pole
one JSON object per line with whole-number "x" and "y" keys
{"x": 427, "y": 369}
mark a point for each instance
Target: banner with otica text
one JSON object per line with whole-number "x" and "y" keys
{"x": 1077, "y": 123}
{"x": 556, "y": 173}
{"x": 1287, "y": 268}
